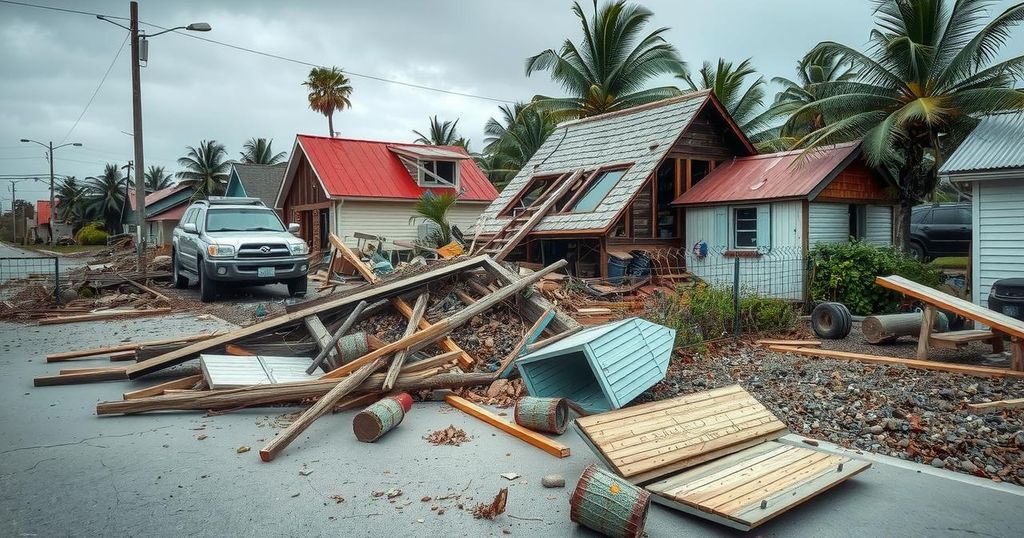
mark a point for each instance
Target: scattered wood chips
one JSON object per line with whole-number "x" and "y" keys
{"x": 494, "y": 509}
{"x": 448, "y": 436}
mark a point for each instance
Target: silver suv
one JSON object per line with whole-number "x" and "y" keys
{"x": 237, "y": 240}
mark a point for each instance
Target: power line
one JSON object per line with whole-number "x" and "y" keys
{"x": 97, "y": 91}
{"x": 275, "y": 56}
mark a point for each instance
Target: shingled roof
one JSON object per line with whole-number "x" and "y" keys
{"x": 639, "y": 136}
{"x": 261, "y": 180}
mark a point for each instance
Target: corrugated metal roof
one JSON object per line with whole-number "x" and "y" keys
{"x": 230, "y": 371}
{"x": 369, "y": 169}
{"x": 769, "y": 177}
{"x": 996, "y": 143}
{"x": 641, "y": 135}
{"x": 261, "y": 180}
{"x": 426, "y": 152}
{"x": 156, "y": 196}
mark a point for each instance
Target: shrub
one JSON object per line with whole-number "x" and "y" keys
{"x": 706, "y": 313}
{"x": 845, "y": 272}
{"x": 92, "y": 234}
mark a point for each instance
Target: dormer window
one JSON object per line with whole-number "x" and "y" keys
{"x": 438, "y": 173}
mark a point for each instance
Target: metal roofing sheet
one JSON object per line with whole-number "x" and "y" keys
{"x": 42, "y": 211}
{"x": 770, "y": 176}
{"x": 229, "y": 371}
{"x": 369, "y": 169}
{"x": 996, "y": 143}
{"x": 426, "y": 152}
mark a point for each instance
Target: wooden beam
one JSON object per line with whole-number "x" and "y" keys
{"x": 112, "y": 374}
{"x": 544, "y": 443}
{"x": 1016, "y": 403}
{"x": 411, "y": 325}
{"x": 238, "y": 351}
{"x": 432, "y": 362}
{"x": 123, "y": 356}
{"x": 155, "y": 293}
{"x": 924, "y": 337}
{"x": 107, "y": 314}
{"x": 791, "y": 343}
{"x": 322, "y": 337}
{"x": 981, "y": 371}
{"x": 336, "y": 337}
{"x": 466, "y": 361}
{"x": 945, "y": 301}
{"x": 531, "y": 336}
{"x": 354, "y": 259}
{"x": 535, "y": 304}
{"x": 130, "y": 346}
{"x": 156, "y": 390}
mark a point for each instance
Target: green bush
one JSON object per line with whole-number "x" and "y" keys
{"x": 845, "y": 272}
{"x": 709, "y": 314}
{"x": 92, "y": 234}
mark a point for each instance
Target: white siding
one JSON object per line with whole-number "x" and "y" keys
{"x": 998, "y": 233}
{"x": 828, "y": 223}
{"x": 878, "y": 225}
{"x": 778, "y": 272}
{"x": 391, "y": 219}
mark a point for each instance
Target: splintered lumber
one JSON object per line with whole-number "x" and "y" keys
{"x": 257, "y": 395}
{"x": 534, "y": 305}
{"x": 411, "y": 325}
{"x": 998, "y": 405}
{"x": 129, "y": 346}
{"x": 466, "y": 361}
{"x": 123, "y": 356}
{"x": 431, "y": 362}
{"x": 443, "y": 327}
{"x": 504, "y": 369}
{"x": 981, "y": 371}
{"x": 239, "y": 351}
{"x": 551, "y": 340}
{"x": 106, "y": 314}
{"x": 795, "y": 343}
{"x": 322, "y": 337}
{"x": 327, "y": 348}
{"x": 353, "y": 258}
{"x": 387, "y": 289}
{"x": 155, "y": 293}
{"x": 156, "y": 390}
{"x": 320, "y": 408}
{"x": 544, "y": 443}
{"x": 80, "y": 376}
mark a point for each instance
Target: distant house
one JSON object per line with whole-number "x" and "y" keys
{"x": 164, "y": 209}
{"x": 343, "y": 186}
{"x": 991, "y": 161}
{"x": 48, "y": 228}
{"x": 261, "y": 181}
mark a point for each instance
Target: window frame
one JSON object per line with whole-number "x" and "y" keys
{"x": 734, "y": 228}
{"x": 425, "y": 181}
{"x": 591, "y": 182}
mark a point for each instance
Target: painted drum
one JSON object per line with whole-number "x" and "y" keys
{"x": 608, "y": 504}
{"x": 549, "y": 415}
{"x": 374, "y": 421}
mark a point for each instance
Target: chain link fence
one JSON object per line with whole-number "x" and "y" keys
{"x": 30, "y": 277}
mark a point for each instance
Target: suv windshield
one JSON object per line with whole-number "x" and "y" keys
{"x": 242, "y": 220}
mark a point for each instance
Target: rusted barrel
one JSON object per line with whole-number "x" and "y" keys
{"x": 609, "y": 504}
{"x": 380, "y": 418}
{"x": 549, "y": 415}
{"x": 353, "y": 346}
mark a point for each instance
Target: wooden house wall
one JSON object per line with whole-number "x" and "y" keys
{"x": 857, "y": 182}
{"x": 305, "y": 195}
{"x": 707, "y": 138}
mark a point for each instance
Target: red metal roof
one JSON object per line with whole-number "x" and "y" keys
{"x": 770, "y": 176}
{"x": 156, "y": 195}
{"x": 369, "y": 169}
{"x": 42, "y": 212}
{"x": 173, "y": 214}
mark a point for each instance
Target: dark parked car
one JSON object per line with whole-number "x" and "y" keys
{"x": 940, "y": 230}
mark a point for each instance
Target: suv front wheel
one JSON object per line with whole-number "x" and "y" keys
{"x": 180, "y": 281}
{"x": 207, "y": 287}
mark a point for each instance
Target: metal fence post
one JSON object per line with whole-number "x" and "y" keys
{"x": 736, "y": 297}
{"x": 56, "y": 279}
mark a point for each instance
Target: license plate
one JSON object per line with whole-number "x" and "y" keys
{"x": 264, "y": 271}
{"x": 1011, "y": 310}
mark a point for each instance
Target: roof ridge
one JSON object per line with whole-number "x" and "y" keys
{"x": 787, "y": 153}
{"x": 368, "y": 141}
{"x": 646, "y": 106}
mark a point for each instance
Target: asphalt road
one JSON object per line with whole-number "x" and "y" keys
{"x": 65, "y": 471}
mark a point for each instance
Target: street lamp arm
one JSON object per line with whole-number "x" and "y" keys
{"x": 77, "y": 144}
{"x": 147, "y": 36}
{"x": 102, "y": 18}
{"x": 35, "y": 142}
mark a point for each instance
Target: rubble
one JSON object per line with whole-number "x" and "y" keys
{"x": 449, "y": 436}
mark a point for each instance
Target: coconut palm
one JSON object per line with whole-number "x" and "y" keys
{"x": 105, "y": 197}
{"x": 433, "y": 208}
{"x": 930, "y": 71}
{"x": 260, "y": 151}
{"x": 205, "y": 165}
{"x": 157, "y": 179}
{"x": 610, "y": 68}
{"x": 329, "y": 92}
{"x": 71, "y": 202}
{"x": 441, "y": 133}
{"x": 513, "y": 139}
{"x": 745, "y": 102}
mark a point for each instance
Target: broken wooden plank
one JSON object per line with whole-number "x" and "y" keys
{"x": 945, "y": 301}
{"x": 533, "y": 305}
{"x": 123, "y": 356}
{"x": 353, "y": 259}
{"x": 238, "y": 351}
{"x": 331, "y": 346}
{"x": 111, "y": 374}
{"x": 998, "y": 405}
{"x": 505, "y": 368}
{"x": 411, "y": 325}
{"x": 539, "y": 344}
{"x": 156, "y": 390}
{"x": 542, "y": 442}
{"x": 106, "y": 314}
{"x": 982, "y": 371}
{"x": 155, "y": 293}
{"x": 322, "y": 337}
{"x": 431, "y": 362}
{"x": 794, "y": 343}
{"x": 466, "y": 360}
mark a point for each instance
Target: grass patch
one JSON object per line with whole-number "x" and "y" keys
{"x": 952, "y": 262}
{"x": 64, "y": 249}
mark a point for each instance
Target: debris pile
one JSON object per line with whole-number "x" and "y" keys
{"x": 449, "y": 436}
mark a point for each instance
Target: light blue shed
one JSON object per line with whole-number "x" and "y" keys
{"x": 602, "y": 367}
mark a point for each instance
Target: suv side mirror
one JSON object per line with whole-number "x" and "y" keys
{"x": 293, "y": 228}
{"x": 189, "y": 228}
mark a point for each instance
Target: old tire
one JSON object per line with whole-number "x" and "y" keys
{"x": 831, "y": 321}
{"x": 179, "y": 280}
{"x": 207, "y": 287}
{"x": 297, "y": 286}
{"x": 916, "y": 251}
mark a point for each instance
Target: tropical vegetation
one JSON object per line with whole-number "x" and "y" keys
{"x": 156, "y": 178}
{"x": 329, "y": 92}
{"x": 260, "y": 151}
{"x": 105, "y": 197}
{"x": 744, "y": 101}
{"x": 513, "y": 138}
{"x": 71, "y": 205}
{"x": 433, "y": 208}
{"x": 206, "y": 167}
{"x": 441, "y": 133}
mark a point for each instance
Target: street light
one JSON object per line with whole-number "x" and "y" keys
{"x": 50, "y": 147}
{"x": 138, "y": 37}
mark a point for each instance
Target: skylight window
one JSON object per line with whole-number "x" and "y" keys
{"x": 600, "y": 188}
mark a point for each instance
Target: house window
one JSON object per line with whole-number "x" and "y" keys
{"x": 598, "y": 189}
{"x": 448, "y": 171}
{"x": 745, "y": 227}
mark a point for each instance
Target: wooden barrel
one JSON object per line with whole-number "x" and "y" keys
{"x": 380, "y": 418}
{"x": 549, "y": 415}
{"x": 608, "y": 504}
{"x": 353, "y": 346}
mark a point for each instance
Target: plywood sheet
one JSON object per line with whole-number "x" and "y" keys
{"x": 658, "y": 439}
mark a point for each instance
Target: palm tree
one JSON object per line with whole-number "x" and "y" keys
{"x": 72, "y": 201}
{"x": 260, "y": 151}
{"x": 441, "y": 133}
{"x": 433, "y": 208}
{"x": 512, "y": 140}
{"x": 205, "y": 165}
{"x": 157, "y": 179}
{"x": 105, "y": 197}
{"x": 609, "y": 70}
{"x": 329, "y": 91}
{"x": 928, "y": 74}
{"x": 729, "y": 84}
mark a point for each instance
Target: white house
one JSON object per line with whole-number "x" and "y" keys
{"x": 991, "y": 161}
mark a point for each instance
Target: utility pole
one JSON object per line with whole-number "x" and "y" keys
{"x": 140, "y": 194}
{"x": 49, "y": 157}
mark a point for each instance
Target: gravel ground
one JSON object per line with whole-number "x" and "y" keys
{"x": 979, "y": 353}
{"x": 914, "y": 415}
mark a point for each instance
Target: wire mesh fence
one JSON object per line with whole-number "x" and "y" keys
{"x": 37, "y": 276}
{"x": 778, "y": 273}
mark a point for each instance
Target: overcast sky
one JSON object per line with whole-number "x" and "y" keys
{"x": 52, "y": 62}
